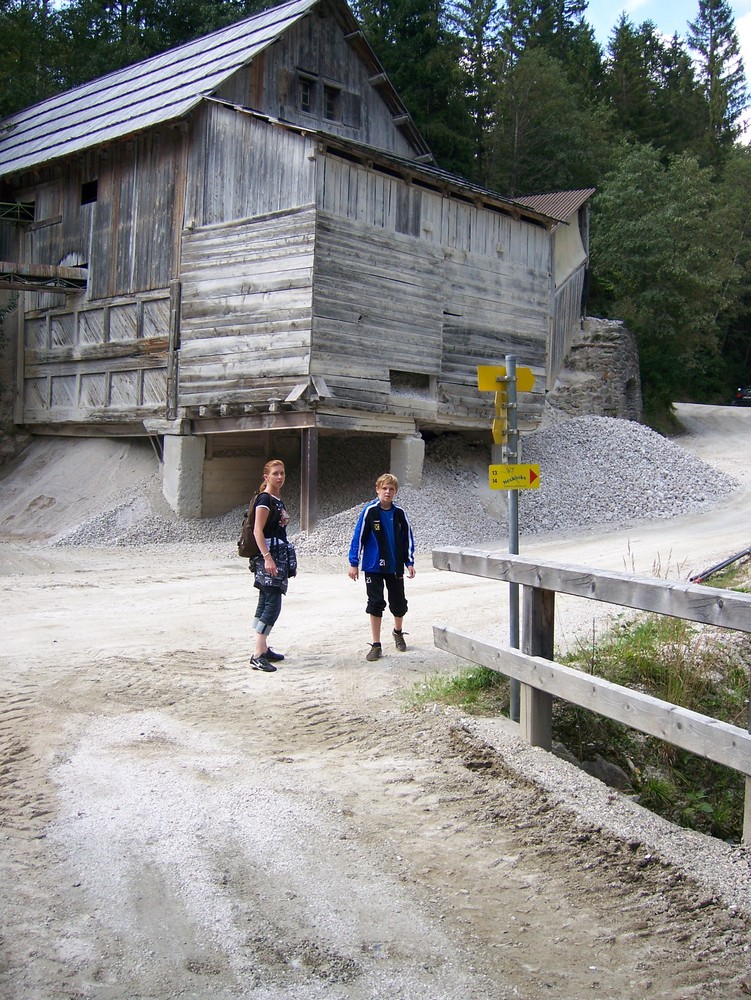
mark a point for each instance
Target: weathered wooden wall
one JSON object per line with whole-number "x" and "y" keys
{"x": 100, "y": 356}
{"x": 317, "y": 48}
{"x": 246, "y": 309}
{"x": 140, "y": 184}
{"x": 410, "y": 279}
{"x": 240, "y": 167}
{"x": 97, "y": 363}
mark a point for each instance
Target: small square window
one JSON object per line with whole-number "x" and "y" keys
{"x": 331, "y": 104}
{"x": 88, "y": 192}
{"x": 306, "y": 96}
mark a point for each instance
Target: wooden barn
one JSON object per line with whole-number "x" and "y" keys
{"x": 244, "y": 243}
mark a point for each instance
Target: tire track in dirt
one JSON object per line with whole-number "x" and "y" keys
{"x": 529, "y": 896}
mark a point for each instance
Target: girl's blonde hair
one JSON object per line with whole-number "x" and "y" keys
{"x": 266, "y": 470}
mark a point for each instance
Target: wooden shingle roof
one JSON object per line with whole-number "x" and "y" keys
{"x": 161, "y": 89}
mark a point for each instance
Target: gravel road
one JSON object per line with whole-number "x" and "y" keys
{"x": 176, "y": 825}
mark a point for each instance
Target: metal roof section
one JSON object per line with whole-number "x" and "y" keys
{"x": 560, "y": 205}
{"x": 161, "y": 89}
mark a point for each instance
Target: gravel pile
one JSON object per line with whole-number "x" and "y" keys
{"x": 595, "y": 471}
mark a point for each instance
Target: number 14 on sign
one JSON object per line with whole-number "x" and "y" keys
{"x": 514, "y": 477}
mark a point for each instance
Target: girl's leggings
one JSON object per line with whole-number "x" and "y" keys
{"x": 267, "y": 610}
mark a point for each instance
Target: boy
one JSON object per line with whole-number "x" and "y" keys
{"x": 383, "y": 537}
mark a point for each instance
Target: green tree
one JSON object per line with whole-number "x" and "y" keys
{"x": 477, "y": 24}
{"x": 423, "y": 58}
{"x": 714, "y": 39}
{"x": 558, "y": 27}
{"x": 28, "y": 70}
{"x": 547, "y": 134}
{"x": 679, "y": 101}
{"x": 734, "y": 248}
{"x": 656, "y": 237}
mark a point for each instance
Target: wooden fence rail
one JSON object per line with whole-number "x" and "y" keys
{"x": 541, "y": 678}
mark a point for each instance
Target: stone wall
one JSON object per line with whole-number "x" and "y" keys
{"x": 600, "y": 376}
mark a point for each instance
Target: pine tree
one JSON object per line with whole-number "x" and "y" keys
{"x": 423, "y": 58}
{"x": 28, "y": 70}
{"x": 477, "y": 23}
{"x": 714, "y": 39}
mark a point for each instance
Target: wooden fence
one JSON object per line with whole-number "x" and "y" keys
{"x": 541, "y": 678}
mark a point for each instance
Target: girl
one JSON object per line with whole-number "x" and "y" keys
{"x": 271, "y": 566}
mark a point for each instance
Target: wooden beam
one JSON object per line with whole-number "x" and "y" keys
{"x": 538, "y": 634}
{"x": 308, "y": 478}
{"x": 700, "y": 734}
{"x": 690, "y": 601}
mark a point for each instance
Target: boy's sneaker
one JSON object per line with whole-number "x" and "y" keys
{"x": 374, "y": 653}
{"x": 273, "y": 657}
{"x": 399, "y": 642}
{"x": 261, "y": 663}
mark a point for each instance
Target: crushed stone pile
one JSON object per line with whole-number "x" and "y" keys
{"x": 595, "y": 471}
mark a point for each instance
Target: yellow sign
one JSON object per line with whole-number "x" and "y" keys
{"x": 514, "y": 477}
{"x": 488, "y": 375}
{"x": 500, "y": 430}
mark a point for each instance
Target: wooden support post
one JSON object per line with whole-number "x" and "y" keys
{"x": 538, "y": 626}
{"x": 746, "y": 837}
{"x": 308, "y": 478}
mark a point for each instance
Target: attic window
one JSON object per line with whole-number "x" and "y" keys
{"x": 331, "y": 104}
{"x": 305, "y": 89}
{"x": 89, "y": 192}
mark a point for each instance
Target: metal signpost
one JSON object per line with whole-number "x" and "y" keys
{"x": 505, "y": 381}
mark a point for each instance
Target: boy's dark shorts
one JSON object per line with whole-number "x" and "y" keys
{"x": 394, "y": 588}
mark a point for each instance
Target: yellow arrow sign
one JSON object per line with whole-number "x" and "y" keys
{"x": 500, "y": 430}
{"x": 514, "y": 477}
{"x": 488, "y": 375}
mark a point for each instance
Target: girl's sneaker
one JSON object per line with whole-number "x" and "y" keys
{"x": 261, "y": 663}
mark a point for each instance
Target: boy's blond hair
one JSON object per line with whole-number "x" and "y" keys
{"x": 387, "y": 479}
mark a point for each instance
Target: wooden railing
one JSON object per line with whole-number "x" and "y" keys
{"x": 541, "y": 678}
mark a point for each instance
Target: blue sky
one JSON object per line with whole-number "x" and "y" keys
{"x": 670, "y": 16}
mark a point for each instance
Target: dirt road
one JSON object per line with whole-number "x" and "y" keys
{"x": 176, "y": 825}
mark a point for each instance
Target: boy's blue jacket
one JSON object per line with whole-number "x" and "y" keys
{"x": 368, "y": 539}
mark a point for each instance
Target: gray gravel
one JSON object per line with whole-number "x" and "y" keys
{"x": 595, "y": 471}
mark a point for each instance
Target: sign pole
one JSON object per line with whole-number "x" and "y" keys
{"x": 512, "y": 455}
{"x": 506, "y": 383}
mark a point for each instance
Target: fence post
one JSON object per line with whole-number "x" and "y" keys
{"x": 746, "y": 836}
{"x": 535, "y": 706}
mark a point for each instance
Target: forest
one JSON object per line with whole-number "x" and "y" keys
{"x": 518, "y": 96}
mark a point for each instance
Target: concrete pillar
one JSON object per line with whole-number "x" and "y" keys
{"x": 182, "y": 475}
{"x": 407, "y": 457}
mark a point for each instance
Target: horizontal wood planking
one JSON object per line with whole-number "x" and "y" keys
{"x": 690, "y": 601}
{"x": 246, "y": 308}
{"x": 377, "y": 301}
{"x": 681, "y": 727}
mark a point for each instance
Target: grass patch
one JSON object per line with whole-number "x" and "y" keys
{"x": 476, "y": 690}
{"x": 700, "y": 668}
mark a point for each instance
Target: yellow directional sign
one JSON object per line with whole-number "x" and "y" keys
{"x": 500, "y": 430}
{"x": 488, "y": 375}
{"x": 514, "y": 477}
